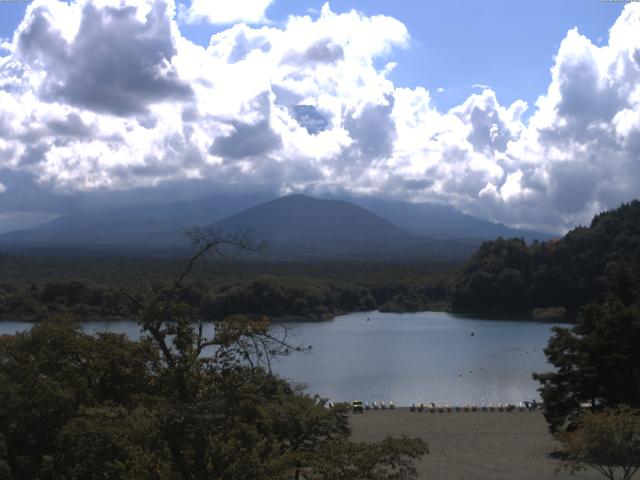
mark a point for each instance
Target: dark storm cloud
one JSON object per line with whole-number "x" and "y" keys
{"x": 399, "y": 185}
{"x": 25, "y": 194}
{"x": 373, "y": 131}
{"x": 115, "y": 64}
{"x": 322, "y": 51}
{"x": 32, "y": 135}
{"x": 72, "y": 126}
{"x": 40, "y": 41}
{"x": 247, "y": 140}
{"x": 33, "y": 154}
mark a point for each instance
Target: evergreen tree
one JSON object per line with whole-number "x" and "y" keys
{"x": 597, "y": 363}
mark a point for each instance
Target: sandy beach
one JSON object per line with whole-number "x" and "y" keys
{"x": 472, "y": 445}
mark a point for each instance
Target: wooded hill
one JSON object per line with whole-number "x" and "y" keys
{"x": 508, "y": 276}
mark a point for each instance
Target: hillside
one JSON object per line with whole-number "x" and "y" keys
{"x": 443, "y": 221}
{"x": 584, "y": 266}
{"x": 135, "y": 228}
{"x": 295, "y": 226}
{"x": 298, "y": 226}
{"x": 297, "y": 221}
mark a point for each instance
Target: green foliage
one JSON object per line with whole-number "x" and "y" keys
{"x": 364, "y": 461}
{"x": 111, "y": 442}
{"x": 608, "y": 442}
{"x": 507, "y": 276}
{"x": 281, "y": 298}
{"x": 174, "y": 405}
{"x": 61, "y": 297}
{"x": 49, "y": 373}
{"x": 597, "y": 362}
{"x": 92, "y": 287}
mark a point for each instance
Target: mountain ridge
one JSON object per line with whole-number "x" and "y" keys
{"x": 295, "y": 225}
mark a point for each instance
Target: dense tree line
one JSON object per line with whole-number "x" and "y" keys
{"x": 282, "y": 298}
{"x": 279, "y": 297}
{"x": 507, "y": 276}
{"x": 32, "y": 301}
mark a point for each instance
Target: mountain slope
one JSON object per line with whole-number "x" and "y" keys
{"x": 298, "y": 225}
{"x": 132, "y": 226}
{"x": 443, "y": 221}
{"x": 295, "y": 228}
{"x": 291, "y": 218}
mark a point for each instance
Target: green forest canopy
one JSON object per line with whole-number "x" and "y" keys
{"x": 507, "y": 276}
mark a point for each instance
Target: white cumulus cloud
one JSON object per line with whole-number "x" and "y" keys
{"x": 226, "y": 11}
{"x": 101, "y": 95}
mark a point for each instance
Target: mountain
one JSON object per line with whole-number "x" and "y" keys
{"x": 299, "y": 226}
{"x": 296, "y": 226}
{"x": 442, "y": 221}
{"x": 132, "y": 227}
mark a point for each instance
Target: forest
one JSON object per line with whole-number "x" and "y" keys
{"x": 586, "y": 265}
{"x": 504, "y": 277}
{"x": 92, "y": 287}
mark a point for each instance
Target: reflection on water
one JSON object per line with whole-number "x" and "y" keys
{"x": 411, "y": 357}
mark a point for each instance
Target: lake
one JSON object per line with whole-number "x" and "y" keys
{"x": 408, "y": 357}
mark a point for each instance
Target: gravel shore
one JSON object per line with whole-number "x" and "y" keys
{"x": 472, "y": 445}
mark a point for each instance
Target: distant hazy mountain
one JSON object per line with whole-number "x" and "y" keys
{"x": 299, "y": 226}
{"x": 295, "y": 226}
{"x": 442, "y": 221}
{"x": 132, "y": 226}
{"x": 296, "y": 223}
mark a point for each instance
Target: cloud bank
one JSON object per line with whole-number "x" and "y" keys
{"x": 106, "y": 95}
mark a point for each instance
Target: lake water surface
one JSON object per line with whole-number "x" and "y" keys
{"x": 409, "y": 357}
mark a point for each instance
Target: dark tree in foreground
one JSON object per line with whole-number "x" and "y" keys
{"x": 597, "y": 364}
{"x": 608, "y": 442}
{"x": 177, "y": 404}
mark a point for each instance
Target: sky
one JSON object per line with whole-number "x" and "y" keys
{"x": 526, "y": 113}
